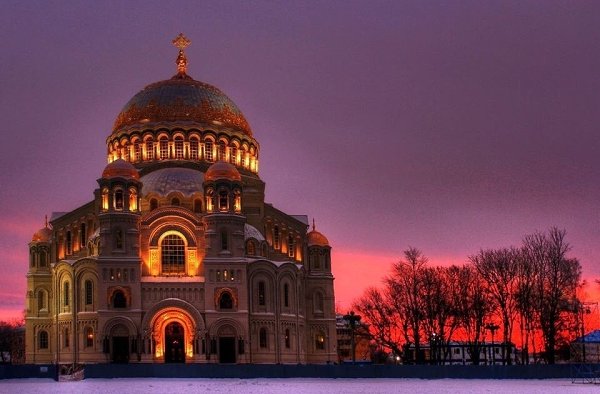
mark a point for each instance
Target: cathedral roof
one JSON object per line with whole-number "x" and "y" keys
{"x": 222, "y": 170}
{"x": 181, "y": 99}
{"x": 120, "y": 169}
{"x": 167, "y": 180}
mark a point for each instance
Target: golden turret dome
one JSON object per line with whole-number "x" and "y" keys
{"x": 42, "y": 235}
{"x": 315, "y": 238}
{"x": 222, "y": 170}
{"x": 120, "y": 169}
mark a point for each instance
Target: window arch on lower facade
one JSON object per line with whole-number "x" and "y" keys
{"x": 286, "y": 295}
{"x": 320, "y": 340}
{"x": 262, "y": 338}
{"x": 66, "y": 293}
{"x": 250, "y": 248}
{"x": 319, "y": 303}
{"x": 66, "y": 338}
{"x": 43, "y": 339}
{"x": 88, "y": 292}
{"x": 262, "y": 293}
{"x": 89, "y": 337}
{"x": 41, "y": 301}
{"x": 172, "y": 251}
{"x": 287, "y": 338}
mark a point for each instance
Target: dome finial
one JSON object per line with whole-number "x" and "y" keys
{"x": 313, "y": 224}
{"x": 181, "y": 42}
{"x": 46, "y": 221}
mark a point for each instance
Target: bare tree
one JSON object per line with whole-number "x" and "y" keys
{"x": 440, "y": 322}
{"x": 524, "y": 297}
{"x": 405, "y": 287}
{"x": 499, "y": 270}
{"x": 384, "y": 325}
{"x": 12, "y": 342}
{"x": 473, "y": 308}
{"x": 556, "y": 285}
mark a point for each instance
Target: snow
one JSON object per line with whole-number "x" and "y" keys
{"x": 289, "y": 386}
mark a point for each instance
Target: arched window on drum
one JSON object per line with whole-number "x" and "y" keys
{"x": 163, "y": 144}
{"x": 194, "y": 148}
{"x": 179, "y": 147}
{"x": 208, "y": 150}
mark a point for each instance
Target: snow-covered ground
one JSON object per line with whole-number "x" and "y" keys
{"x": 293, "y": 386}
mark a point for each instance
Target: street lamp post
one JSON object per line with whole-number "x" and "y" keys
{"x": 434, "y": 348}
{"x": 353, "y": 321}
{"x": 492, "y": 327}
{"x": 584, "y": 309}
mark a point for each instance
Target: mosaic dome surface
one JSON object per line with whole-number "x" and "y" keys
{"x": 181, "y": 99}
{"x": 167, "y": 180}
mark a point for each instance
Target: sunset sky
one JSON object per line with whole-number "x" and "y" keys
{"x": 449, "y": 126}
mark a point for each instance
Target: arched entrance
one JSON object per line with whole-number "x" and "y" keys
{"x": 174, "y": 343}
{"x": 120, "y": 344}
{"x": 227, "y": 353}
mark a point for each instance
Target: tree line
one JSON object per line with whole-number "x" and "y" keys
{"x": 531, "y": 290}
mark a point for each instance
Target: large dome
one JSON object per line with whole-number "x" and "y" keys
{"x": 181, "y": 100}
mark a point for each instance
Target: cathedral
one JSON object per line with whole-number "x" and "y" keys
{"x": 178, "y": 258}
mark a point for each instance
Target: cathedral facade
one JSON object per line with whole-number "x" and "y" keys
{"x": 178, "y": 258}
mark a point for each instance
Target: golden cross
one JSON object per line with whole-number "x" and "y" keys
{"x": 181, "y": 42}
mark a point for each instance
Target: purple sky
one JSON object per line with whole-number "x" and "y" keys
{"x": 448, "y": 126}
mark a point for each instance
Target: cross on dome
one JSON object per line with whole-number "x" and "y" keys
{"x": 181, "y": 42}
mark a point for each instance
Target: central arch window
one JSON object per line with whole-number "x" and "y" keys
{"x": 226, "y": 301}
{"x": 119, "y": 300}
{"x": 173, "y": 255}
